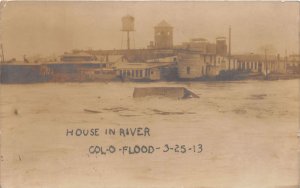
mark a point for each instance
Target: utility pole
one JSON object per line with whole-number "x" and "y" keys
{"x": 285, "y": 61}
{"x": 229, "y": 46}
{"x": 2, "y": 54}
{"x": 128, "y": 41}
{"x": 299, "y": 120}
{"x": 266, "y": 63}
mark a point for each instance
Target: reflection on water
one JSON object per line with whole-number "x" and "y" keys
{"x": 248, "y": 130}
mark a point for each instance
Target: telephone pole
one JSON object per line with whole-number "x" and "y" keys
{"x": 2, "y": 53}
{"x": 229, "y": 46}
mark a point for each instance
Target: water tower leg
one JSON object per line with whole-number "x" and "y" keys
{"x": 128, "y": 40}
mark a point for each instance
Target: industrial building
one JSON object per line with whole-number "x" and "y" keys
{"x": 163, "y": 35}
{"x": 161, "y": 60}
{"x": 199, "y": 58}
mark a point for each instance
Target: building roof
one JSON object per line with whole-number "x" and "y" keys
{"x": 221, "y": 38}
{"x": 198, "y": 40}
{"x": 254, "y": 57}
{"x": 128, "y": 17}
{"x": 80, "y": 54}
{"x": 294, "y": 57}
{"x": 142, "y": 65}
{"x": 163, "y": 24}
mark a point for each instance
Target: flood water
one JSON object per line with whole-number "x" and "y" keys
{"x": 248, "y": 130}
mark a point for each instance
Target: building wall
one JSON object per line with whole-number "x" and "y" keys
{"x": 201, "y": 46}
{"x": 154, "y": 74}
{"x": 221, "y": 47}
{"x": 232, "y": 64}
{"x": 191, "y": 66}
{"x": 282, "y": 66}
{"x": 163, "y": 37}
{"x": 213, "y": 70}
{"x": 225, "y": 64}
{"x": 140, "y": 74}
{"x": 252, "y": 66}
{"x": 211, "y": 48}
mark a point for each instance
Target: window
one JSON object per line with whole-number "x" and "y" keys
{"x": 141, "y": 73}
{"x": 137, "y": 73}
{"x": 132, "y": 73}
{"x": 128, "y": 73}
{"x": 188, "y": 70}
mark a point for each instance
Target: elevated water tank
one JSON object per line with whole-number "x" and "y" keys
{"x": 128, "y": 23}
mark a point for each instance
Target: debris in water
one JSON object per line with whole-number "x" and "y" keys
{"x": 128, "y": 115}
{"x": 92, "y": 111}
{"x": 240, "y": 111}
{"x": 170, "y": 113}
{"x": 116, "y": 109}
{"x": 172, "y": 92}
{"x": 258, "y": 97}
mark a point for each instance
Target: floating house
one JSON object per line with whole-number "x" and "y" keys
{"x": 171, "y": 92}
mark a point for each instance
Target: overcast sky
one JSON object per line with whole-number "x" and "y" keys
{"x": 48, "y": 28}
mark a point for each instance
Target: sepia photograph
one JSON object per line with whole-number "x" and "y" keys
{"x": 149, "y": 94}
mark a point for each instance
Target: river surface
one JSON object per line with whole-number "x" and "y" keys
{"x": 248, "y": 130}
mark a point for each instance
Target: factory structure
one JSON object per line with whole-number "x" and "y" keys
{"x": 197, "y": 59}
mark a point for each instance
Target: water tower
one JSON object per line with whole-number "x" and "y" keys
{"x": 128, "y": 26}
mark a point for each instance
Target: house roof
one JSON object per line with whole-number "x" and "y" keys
{"x": 128, "y": 16}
